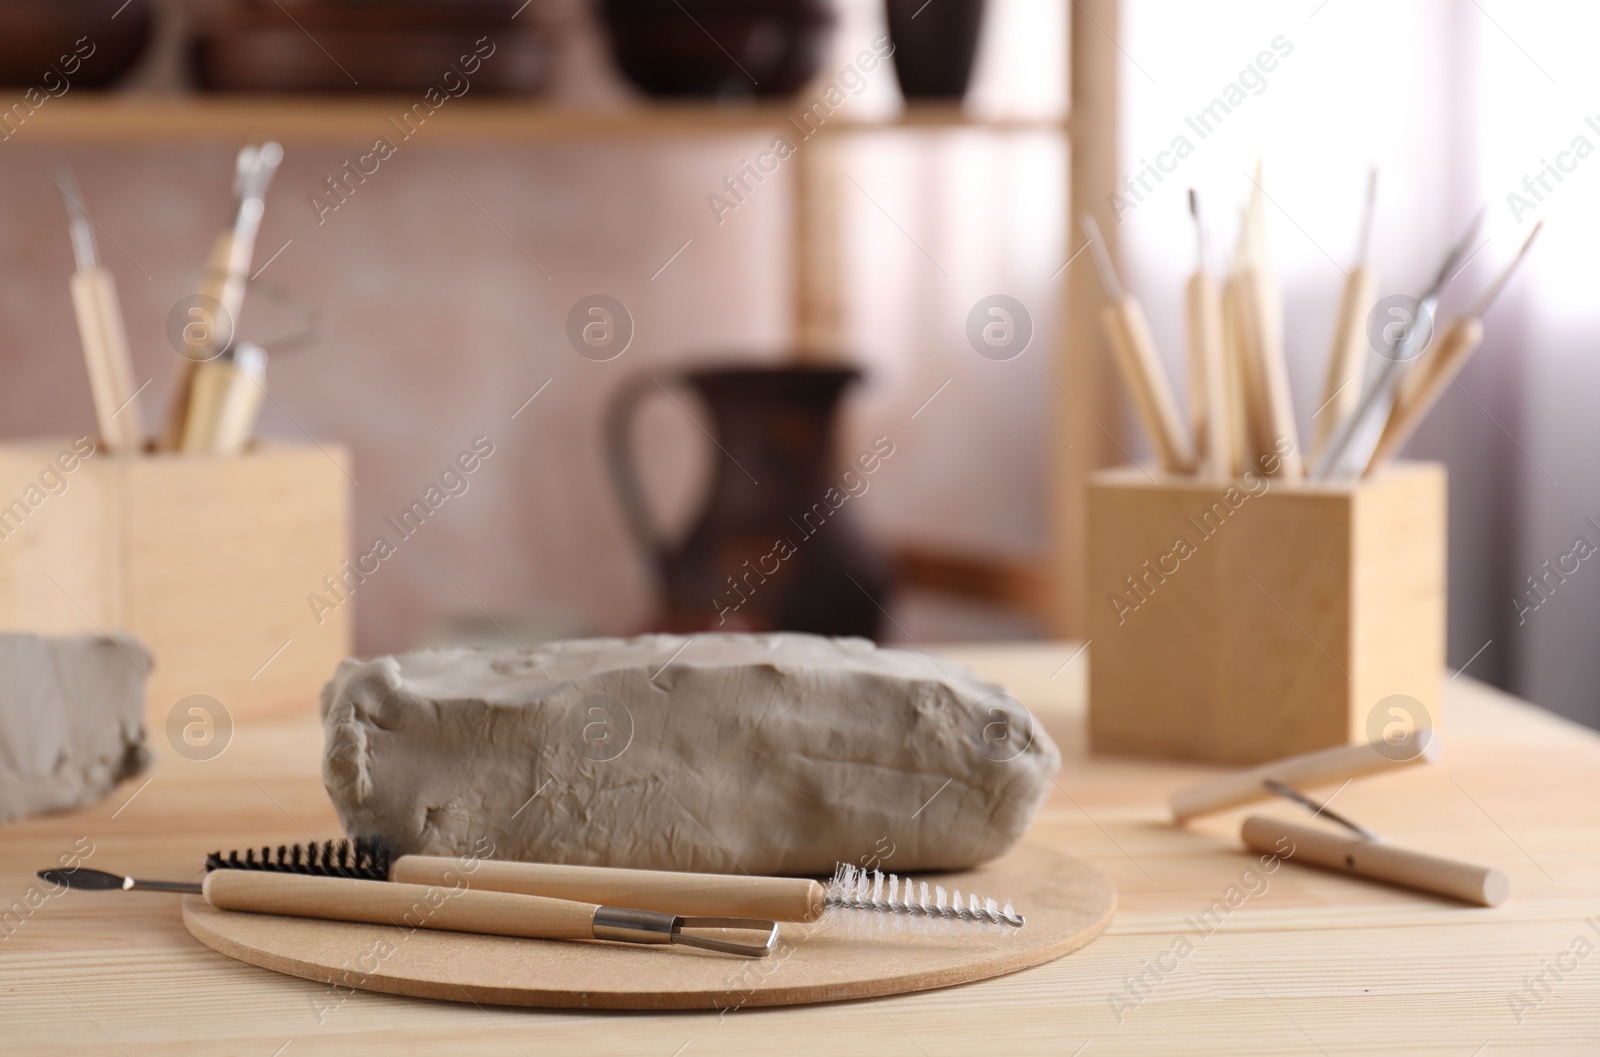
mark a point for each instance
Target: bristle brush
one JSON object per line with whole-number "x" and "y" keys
{"x": 777, "y": 898}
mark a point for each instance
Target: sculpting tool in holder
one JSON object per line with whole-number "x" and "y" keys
{"x": 1349, "y": 451}
{"x": 1136, "y": 357}
{"x": 1438, "y": 367}
{"x": 1345, "y": 361}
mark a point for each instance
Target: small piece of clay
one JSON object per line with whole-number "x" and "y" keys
{"x": 766, "y": 754}
{"x": 71, "y": 719}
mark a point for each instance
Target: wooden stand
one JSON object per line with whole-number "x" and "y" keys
{"x": 206, "y": 559}
{"x": 1244, "y": 622}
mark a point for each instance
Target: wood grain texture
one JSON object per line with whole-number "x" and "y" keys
{"x": 207, "y": 559}
{"x": 1296, "y": 610}
{"x": 1312, "y": 961}
{"x": 845, "y": 955}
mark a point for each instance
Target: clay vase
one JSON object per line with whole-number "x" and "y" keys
{"x": 934, "y": 45}
{"x": 769, "y": 552}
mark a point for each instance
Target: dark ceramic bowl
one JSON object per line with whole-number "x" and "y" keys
{"x": 700, "y": 48}
{"x": 81, "y": 42}
{"x": 404, "y": 46}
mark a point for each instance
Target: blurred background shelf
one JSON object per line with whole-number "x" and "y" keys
{"x": 128, "y": 119}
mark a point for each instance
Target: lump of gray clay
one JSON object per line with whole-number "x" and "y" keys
{"x": 71, "y": 719}
{"x": 772, "y": 754}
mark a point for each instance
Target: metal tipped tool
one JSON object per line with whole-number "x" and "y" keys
{"x": 1350, "y": 449}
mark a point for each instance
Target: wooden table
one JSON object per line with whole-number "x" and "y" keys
{"x": 1306, "y": 963}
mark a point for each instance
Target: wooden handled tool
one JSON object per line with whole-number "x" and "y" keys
{"x": 1135, "y": 352}
{"x": 1209, "y": 410}
{"x": 104, "y": 337}
{"x": 227, "y": 273}
{"x": 777, "y": 898}
{"x": 1376, "y": 860}
{"x": 1306, "y": 771}
{"x": 1348, "y": 359}
{"x": 1421, "y": 388}
{"x": 225, "y": 397}
{"x": 1438, "y": 366}
{"x": 450, "y": 908}
{"x": 1267, "y": 372}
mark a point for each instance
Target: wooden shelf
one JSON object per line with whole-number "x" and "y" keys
{"x": 348, "y": 120}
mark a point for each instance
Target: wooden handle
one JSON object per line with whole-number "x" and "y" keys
{"x": 1147, "y": 383}
{"x": 1307, "y": 771}
{"x": 1269, "y": 374}
{"x": 1208, "y": 380}
{"x": 1347, "y": 360}
{"x": 1425, "y": 383}
{"x": 211, "y": 285}
{"x": 105, "y": 352}
{"x": 712, "y": 895}
{"x": 450, "y": 908}
{"x": 224, "y": 401}
{"x": 1377, "y": 861}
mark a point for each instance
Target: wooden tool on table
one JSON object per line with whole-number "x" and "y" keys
{"x": 227, "y": 273}
{"x": 1307, "y": 771}
{"x": 1364, "y": 854}
{"x": 453, "y": 909}
{"x": 778, "y": 898}
{"x": 1210, "y": 409}
{"x": 1136, "y": 357}
{"x": 100, "y": 328}
{"x": 1349, "y": 450}
{"x": 225, "y": 396}
{"x": 1348, "y": 357}
{"x": 1439, "y": 365}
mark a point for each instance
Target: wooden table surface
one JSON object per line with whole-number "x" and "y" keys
{"x": 1306, "y": 962}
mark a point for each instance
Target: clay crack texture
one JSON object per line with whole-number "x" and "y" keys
{"x": 765, "y": 754}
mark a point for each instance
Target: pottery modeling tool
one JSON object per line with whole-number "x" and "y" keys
{"x": 1210, "y": 412}
{"x": 1364, "y": 854}
{"x": 1260, "y": 309}
{"x": 1439, "y": 365}
{"x": 1136, "y": 357}
{"x": 453, "y": 909}
{"x": 100, "y": 328}
{"x": 225, "y": 397}
{"x": 1306, "y": 771}
{"x": 777, "y": 898}
{"x": 227, "y": 273}
{"x": 1348, "y": 356}
{"x": 1369, "y": 856}
{"x": 1349, "y": 450}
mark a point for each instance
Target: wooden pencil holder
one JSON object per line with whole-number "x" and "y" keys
{"x": 207, "y": 559}
{"x": 1247, "y": 621}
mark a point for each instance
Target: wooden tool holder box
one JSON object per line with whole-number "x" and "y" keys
{"x": 207, "y": 559}
{"x": 1239, "y": 622}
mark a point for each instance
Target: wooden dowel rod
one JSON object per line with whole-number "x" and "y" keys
{"x": 1376, "y": 861}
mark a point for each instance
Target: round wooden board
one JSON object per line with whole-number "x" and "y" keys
{"x": 845, "y": 955}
